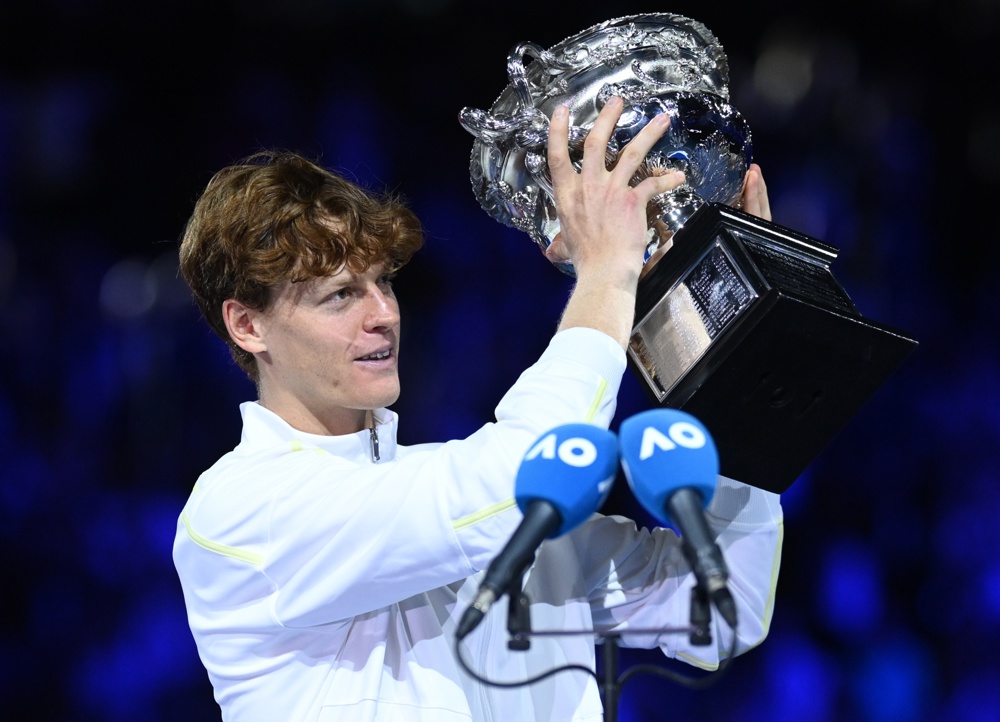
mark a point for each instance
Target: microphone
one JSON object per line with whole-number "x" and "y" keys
{"x": 671, "y": 465}
{"x": 564, "y": 478}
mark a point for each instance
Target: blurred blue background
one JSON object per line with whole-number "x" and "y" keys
{"x": 876, "y": 125}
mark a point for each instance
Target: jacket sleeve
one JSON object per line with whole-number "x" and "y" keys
{"x": 647, "y": 582}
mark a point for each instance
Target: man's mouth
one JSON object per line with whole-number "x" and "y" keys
{"x": 376, "y": 356}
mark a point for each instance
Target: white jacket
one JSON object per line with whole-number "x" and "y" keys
{"x": 321, "y": 585}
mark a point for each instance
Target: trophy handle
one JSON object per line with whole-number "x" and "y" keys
{"x": 528, "y": 126}
{"x": 515, "y": 71}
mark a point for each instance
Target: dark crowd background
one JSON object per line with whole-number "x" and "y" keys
{"x": 875, "y": 123}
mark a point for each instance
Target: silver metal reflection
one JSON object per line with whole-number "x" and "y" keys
{"x": 658, "y": 63}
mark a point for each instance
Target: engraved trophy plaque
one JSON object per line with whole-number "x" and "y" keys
{"x": 739, "y": 321}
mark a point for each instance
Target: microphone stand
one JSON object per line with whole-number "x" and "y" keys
{"x": 610, "y": 684}
{"x": 700, "y": 616}
{"x": 518, "y": 615}
{"x": 519, "y": 629}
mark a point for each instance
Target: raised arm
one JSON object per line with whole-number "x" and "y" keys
{"x": 603, "y": 219}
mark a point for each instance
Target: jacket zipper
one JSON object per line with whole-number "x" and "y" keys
{"x": 374, "y": 440}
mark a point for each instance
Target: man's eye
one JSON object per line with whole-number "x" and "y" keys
{"x": 385, "y": 281}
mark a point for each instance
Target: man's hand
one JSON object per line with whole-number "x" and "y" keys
{"x": 603, "y": 219}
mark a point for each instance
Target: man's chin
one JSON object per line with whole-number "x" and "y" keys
{"x": 386, "y": 399}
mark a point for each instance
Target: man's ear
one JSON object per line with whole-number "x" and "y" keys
{"x": 244, "y": 325}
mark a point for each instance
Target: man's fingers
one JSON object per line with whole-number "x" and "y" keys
{"x": 653, "y": 186}
{"x": 557, "y": 252}
{"x": 755, "y": 198}
{"x": 558, "y": 144}
{"x": 634, "y": 153}
{"x": 596, "y": 145}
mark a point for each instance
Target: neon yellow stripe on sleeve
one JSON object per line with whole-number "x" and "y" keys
{"x": 769, "y": 607}
{"x": 226, "y": 551}
{"x": 503, "y": 506}
{"x": 486, "y": 513}
{"x": 595, "y": 405}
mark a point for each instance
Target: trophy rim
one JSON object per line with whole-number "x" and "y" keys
{"x": 704, "y": 34}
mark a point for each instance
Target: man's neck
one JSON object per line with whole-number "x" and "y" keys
{"x": 325, "y": 422}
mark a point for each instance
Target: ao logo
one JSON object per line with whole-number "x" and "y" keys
{"x": 680, "y": 433}
{"x": 575, "y": 451}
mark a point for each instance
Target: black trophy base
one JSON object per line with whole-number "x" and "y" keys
{"x": 781, "y": 358}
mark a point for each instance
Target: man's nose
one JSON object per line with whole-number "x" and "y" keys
{"x": 383, "y": 310}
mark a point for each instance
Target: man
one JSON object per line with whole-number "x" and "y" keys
{"x": 325, "y": 568}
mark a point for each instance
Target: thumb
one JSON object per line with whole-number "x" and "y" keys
{"x": 558, "y": 251}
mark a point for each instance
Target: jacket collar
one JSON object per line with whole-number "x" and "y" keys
{"x": 264, "y": 428}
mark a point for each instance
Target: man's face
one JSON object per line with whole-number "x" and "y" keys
{"x": 331, "y": 350}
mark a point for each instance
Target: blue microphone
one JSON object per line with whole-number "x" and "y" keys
{"x": 564, "y": 478}
{"x": 671, "y": 465}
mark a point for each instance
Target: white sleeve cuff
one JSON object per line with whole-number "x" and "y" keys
{"x": 603, "y": 354}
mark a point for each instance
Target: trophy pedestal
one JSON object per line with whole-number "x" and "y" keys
{"x": 742, "y": 324}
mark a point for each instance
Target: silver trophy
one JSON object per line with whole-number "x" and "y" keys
{"x": 738, "y": 321}
{"x": 656, "y": 63}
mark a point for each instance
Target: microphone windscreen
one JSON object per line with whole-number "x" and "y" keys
{"x": 572, "y": 467}
{"x": 663, "y": 450}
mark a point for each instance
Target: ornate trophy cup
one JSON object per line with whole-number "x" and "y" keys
{"x": 739, "y": 321}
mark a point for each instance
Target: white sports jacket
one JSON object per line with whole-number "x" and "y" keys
{"x": 321, "y": 585}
